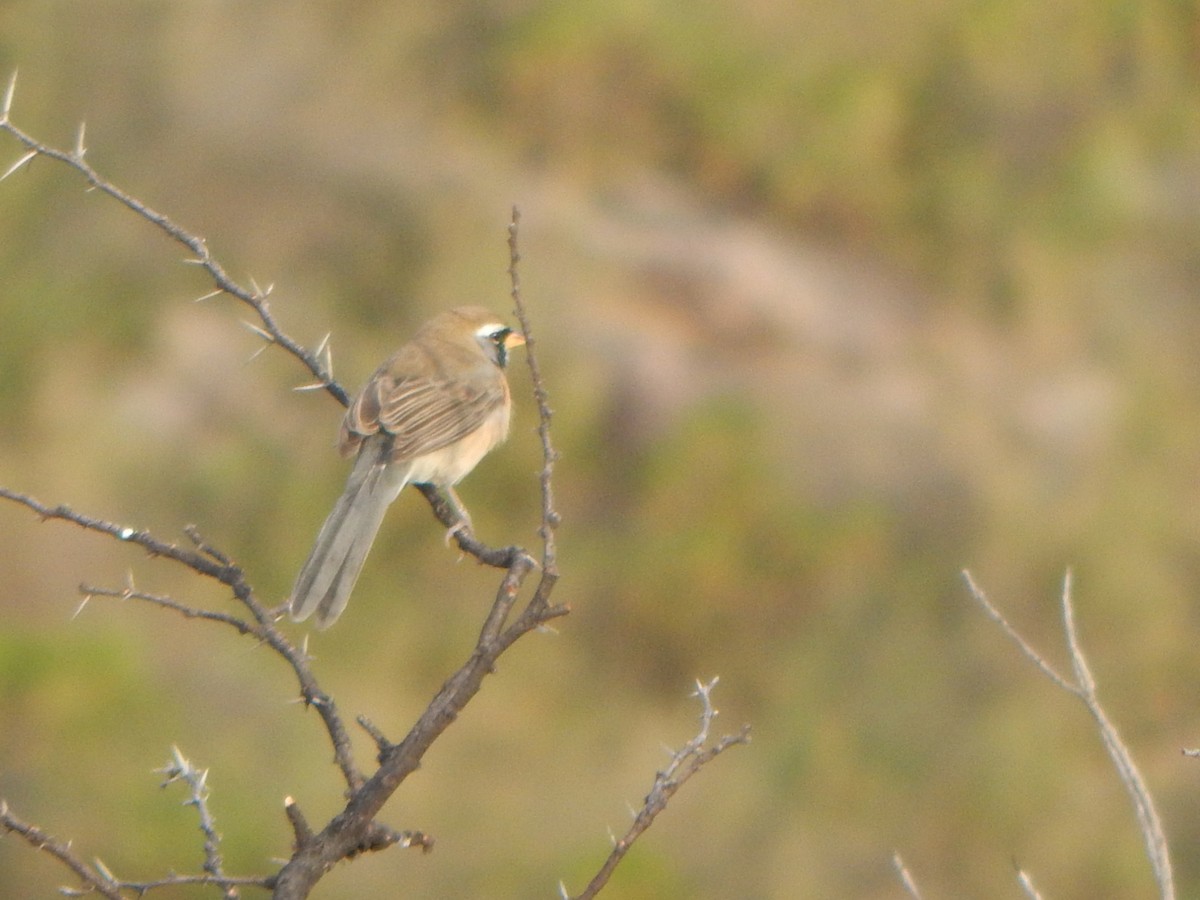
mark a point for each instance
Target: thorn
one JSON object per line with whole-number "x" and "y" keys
{"x": 209, "y": 295}
{"x": 314, "y": 386}
{"x": 6, "y": 106}
{"x": 612, "y": 838}
{"x": 325, "y": 349}
{"x": 79, "y": 608}
{"x": 324, "y": 344}
{"x": 130, "y": 587}
{"x": 20, "y": 162}
{"x": 265, "y": 335}
{"x": 104, "y": 870}
{"x": 260, "y": 293}
{"x": 562, "y": 891}
{"x": 80, "y": 149}
{"x": 257, "y": 353}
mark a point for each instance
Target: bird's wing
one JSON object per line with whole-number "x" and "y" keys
{"x": 422, "y": 414}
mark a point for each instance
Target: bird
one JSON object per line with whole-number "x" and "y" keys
{"x": 428, "y": 415}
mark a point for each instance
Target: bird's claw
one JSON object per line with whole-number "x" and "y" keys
{"x": 462, "y": 527}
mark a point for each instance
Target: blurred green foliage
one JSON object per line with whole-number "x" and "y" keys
{"x": 1015, "y": 393}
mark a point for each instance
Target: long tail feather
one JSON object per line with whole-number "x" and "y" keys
{"x": 327, "y": 578}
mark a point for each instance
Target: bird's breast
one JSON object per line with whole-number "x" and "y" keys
{"x": 452, "y": 463}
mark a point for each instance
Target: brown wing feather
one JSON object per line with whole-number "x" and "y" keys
{"x": 428, "y": 415}
{"x": 424, "y": 415}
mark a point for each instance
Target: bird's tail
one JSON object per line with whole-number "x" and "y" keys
{"x": 328, "y": 576}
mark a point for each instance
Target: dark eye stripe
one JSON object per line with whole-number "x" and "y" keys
{"x": 499, "y": 338}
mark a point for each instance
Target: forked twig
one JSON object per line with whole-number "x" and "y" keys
{"x": 1084, "y": 688}
{"x": 685, "y": 762}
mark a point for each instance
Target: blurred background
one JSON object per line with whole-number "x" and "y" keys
{"x": 833, "y": 300}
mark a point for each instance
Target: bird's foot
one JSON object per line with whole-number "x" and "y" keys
{"x": 462, "y": 527}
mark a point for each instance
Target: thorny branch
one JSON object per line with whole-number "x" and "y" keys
{"x": 354, "y": 830}
{"x": 181, "y": 769}
{"x": 206, "y": 561}
{"x": 685, "y": 762}
{"x": 317, "y": 362}
{"x": 95, "y": 878}
{"x": 1084, "y": 688}
{"x": 344, "y": 834}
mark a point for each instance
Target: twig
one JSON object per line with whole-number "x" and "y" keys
{"x": 181, "y": 769}
{"x": 210, "y": 562}
{"x": 550, "y": 517}
{"x": 255, "y": 297}
{"x": 190, "y": 612}
{"x": 1084, "y": 687}
{"x": 92, "y": 877}
{"x": 98, "y": 879}
{"x": 685, "y": 762}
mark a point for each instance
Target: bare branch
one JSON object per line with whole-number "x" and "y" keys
{"x": 91, "y": 877}
{"x": 1084, "y": 687}
{"x": 181, "y": 769}
{"x": 354, "y": 830}
{"x": 190, "y": 612}
{"x": 208, "y": 561}
{"x": 550, "y": 517}
{"x": 252, "y": 296}
{"x": 348, "y": 832}
{"x": 685, "y": 762}
{"x": 1025, "y": 647}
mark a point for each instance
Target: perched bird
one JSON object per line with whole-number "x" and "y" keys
{"x": 428, "y": 415}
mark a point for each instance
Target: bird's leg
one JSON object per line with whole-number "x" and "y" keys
{"x": 464, "y": 518}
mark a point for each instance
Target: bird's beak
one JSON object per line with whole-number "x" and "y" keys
{"x": 513, "y": 339}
